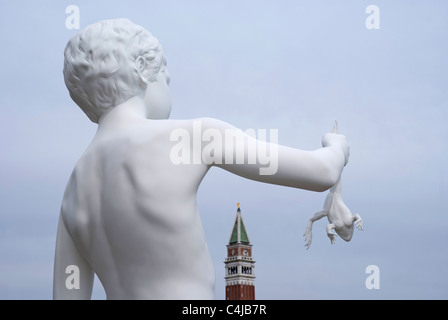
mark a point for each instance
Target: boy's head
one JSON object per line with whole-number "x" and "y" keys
{"x": 103, "y": 65}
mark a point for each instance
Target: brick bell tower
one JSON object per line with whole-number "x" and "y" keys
{"x": 239, "y": 264}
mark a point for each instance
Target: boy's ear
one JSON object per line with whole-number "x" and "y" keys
{"x": 142, "y": 69}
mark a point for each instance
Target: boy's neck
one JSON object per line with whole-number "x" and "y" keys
{"x": 123, "y": 115}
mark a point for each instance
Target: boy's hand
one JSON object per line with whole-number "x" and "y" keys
{"x": 339, "y": 141}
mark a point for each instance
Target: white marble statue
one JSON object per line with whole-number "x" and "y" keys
{"x": 129, "y": 213}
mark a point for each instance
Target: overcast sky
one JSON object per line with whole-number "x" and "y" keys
{"x": 295, "y": 66}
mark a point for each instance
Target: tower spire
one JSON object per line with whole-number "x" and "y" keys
{"x": 239, "y": 233}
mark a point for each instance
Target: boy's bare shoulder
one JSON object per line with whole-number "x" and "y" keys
{"x": 202, "y": 123}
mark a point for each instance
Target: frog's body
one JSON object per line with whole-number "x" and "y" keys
{"x": 339, "y": 215}
{"x": 341, "y": 219}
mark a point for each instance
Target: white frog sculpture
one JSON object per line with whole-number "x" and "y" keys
{"x": 341, "y": 219}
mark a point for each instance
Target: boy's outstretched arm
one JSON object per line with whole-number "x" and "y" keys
{"x": 73, "y": 277}
{"x": 316, "y": 170}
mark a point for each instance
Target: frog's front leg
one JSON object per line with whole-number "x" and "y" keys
{"x": 331, "y": 234}
{"x": 308, "y": 231}
{"x": 358, "y": 222}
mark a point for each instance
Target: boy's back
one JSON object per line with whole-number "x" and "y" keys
{"x": 127, "y": 206}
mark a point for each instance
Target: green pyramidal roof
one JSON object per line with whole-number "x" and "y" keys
{"x": 239, "y": 234}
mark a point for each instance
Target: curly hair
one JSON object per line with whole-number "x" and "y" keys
{"x": 100, "y": 64}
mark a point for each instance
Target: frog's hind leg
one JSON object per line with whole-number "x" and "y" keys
{"x": 308, "y": 231}
{"x": 358, "y": 222}
{"x": 331, "y": 234}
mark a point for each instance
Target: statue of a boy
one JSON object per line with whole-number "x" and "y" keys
{"x": 129, "y": 212}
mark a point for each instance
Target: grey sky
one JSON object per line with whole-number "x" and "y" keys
{"x": 295, "y": 66}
